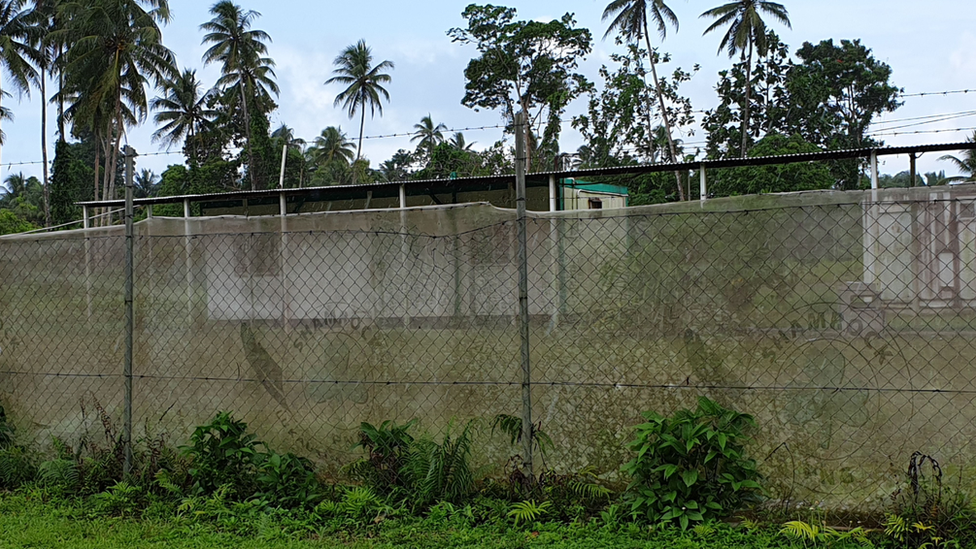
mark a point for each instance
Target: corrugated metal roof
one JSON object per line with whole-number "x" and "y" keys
{"x": 635, "y": 169}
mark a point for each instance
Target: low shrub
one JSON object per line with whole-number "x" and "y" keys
{"x": 287, "y": 481}
{"x": 223, "y": 453}
{"x": 691, "y": 467}
{"x": 387, "y": 447}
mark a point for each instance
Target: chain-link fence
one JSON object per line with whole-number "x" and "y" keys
{"x": 843, "y": 322}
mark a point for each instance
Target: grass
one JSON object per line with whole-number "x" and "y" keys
{"x": 33, "y": 519}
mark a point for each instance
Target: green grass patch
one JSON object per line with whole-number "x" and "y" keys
{"x": 29, "y": 519}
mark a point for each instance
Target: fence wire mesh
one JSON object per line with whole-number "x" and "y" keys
{"x": 843, "y": 322}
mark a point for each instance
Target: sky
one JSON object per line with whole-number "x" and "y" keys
{"x": 930, "y": 46}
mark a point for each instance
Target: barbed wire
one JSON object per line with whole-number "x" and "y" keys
{"x": 947, "y": 92}
{"x": 924, "y": 131}
{"x": 929, "y": 117}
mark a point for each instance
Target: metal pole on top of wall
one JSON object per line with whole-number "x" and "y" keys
{"x": 523, "y": 257}
{"x": 702, "y": 184}
{"x": 129, "y": 318}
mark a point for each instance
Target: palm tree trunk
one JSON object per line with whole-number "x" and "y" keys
{"x": 47, "y": 193}
{"x": 61, "y": 136}
{"x": 98, "y": 149}
{"x": 359, "y": 150}
{"x": 115, "y": 152}
{"x": 108, "y": 145}
{"x": 652, "y": 151}
{"x": 247, "y": 133}
{"x": 664, "y": 111}
{"x": 746, "y": 105}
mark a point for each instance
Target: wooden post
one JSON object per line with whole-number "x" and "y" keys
{"x": 523, "y": 293}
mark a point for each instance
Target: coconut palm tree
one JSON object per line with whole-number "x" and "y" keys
{"x": 331, "y": 146}
{"x": 146, "y": 184}
{"x": 285, "y": 135}
{"x": 428, "y": 134}
{"x": 43, "y": 21}
{"x": 14, "y": 185}
{"x": 247, "y": 72}
{"x": 630, "y": 20}
{"x": 182, "y": 110}
{"x": 364, "y": 84}
{"x": 458, "y": 142}
{"x": 966, "y": 163}
{"x": 116, "y": 50}
{"x": 745, "y": 34}
{"x": 17, "y": 51}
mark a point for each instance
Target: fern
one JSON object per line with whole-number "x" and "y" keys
{"x": 121, "y": 499}
{"x": 16, "y": 467}
{"x": 441, "y": 471}
{"x": 528, "y": 511}
{"x": 585, "y": 486}
{"x": 62, "y": 473}
{"x": 703, "y": 530}
{"x": 357, "y": 505}
{"x": 165, "y": 481}
{"x": 512, "y": 426}
{"x": 896, "y": 527}
{"x": 797, "y": 530}
{"x": 6, "y": 431}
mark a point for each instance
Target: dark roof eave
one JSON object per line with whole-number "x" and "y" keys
{"x": 634, "y": 169}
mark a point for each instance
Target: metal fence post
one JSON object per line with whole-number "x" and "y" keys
{"x": 523, "y": 259}
{"x": 129, "y": 318}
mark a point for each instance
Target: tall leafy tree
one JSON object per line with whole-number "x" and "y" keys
{"x": 71, "y": 176}
{"x": 614, "y": 127}
{"x": 745, "y": 34}
{"x": 523, "y": 66}
{"x": 364, "y": 84}
{"x": 116, "y": 51}
{"x": 428, "y": 135}
{"x": 181, "y": 111}
{"x": 834, "y": 94}
{"x": 630, "y": 20}
{"x": 770, "y": 107}
{"x": 248, "y": 77}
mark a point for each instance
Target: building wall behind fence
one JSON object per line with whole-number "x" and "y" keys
{"x": 810, "y": 311}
